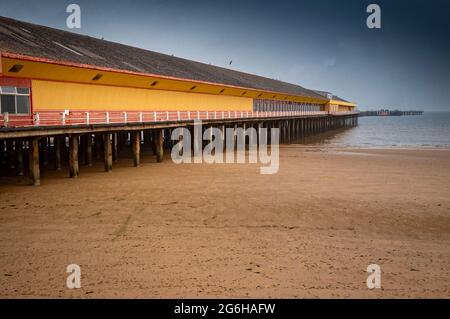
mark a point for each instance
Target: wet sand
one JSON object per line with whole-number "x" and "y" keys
{"x": 197, "y": 231}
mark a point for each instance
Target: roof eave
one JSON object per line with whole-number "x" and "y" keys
{"x": 19, "y": 56}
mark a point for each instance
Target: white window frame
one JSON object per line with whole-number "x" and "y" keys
{"x": 16, "y": 94}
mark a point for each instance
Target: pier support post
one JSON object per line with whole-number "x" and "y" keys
{"x": 302, "y": 128}
{"x": 115, "y": 150}
{"x": 73, "y": 156}
{"x": 44, "y": 146}
{"x": 281, "y": 127}
{"x": 293, "y": 130}
{"x": 158, "y": 140}
{"x": 82, "y": 150}
{"x": 136, "y": 147}
{"x": 2, "y": 152}
{"x": 57, "y": 141}
{"x": 153, "y": 143}
{"x": 107, "y": 142}
{"x": 33, "y": 159}
{"x": 10, "y": 154}
{"x": 19, "y": 158}
{"x": 88, "y": 151}
{"x": 98, "y": 145}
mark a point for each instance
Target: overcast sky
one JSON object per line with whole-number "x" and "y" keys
{"x": 319, "y": 44}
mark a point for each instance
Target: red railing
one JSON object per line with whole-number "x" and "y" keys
{"x": 67, "y": 118}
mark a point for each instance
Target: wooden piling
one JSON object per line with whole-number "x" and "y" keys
{"x": 33, "y": 161}
{"x": 19, "y": 157}
{"x": 10, "y": 154}
{"x": 115, "y": 148}
{"x": 136, "y": 147}
{"x": 88, "y": 151}
{"x": 98, "y": 145}
{"x": 107, "y": 143}
{"x": 73, "y": 156}
{"x": 44, "y": 145}
{"x": 158, "y": 140}
{"x": 57, "y": 143}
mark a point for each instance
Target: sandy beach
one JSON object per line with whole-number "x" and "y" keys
{"x": 198, "y": 231}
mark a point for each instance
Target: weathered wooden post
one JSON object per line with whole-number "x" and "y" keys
{"x": 115, "y": 151}
{"x": 88, "y": 151}
{"x": 293, "y": 129}
{"x": 10, "y": 154}
{"x": 19, "y": 153}
{"x": 283, "y": 131}
{"x": 107, "y": 143}
{"x": 136, "y": 147}
{"x": 147, "y": 138}
{"x": 153, "y": 142}
{"x": 2, "y": 152}
{"x": 158, "y": 139}
{"x": 57, "y": 141}
{"x": 33, "y": 161}
{"x": 73, "y": 156}
{"x": 45, "y": 145}
{"x": 98, "y": 145}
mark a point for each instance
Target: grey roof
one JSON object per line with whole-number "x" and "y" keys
{"x": 44, "y": 42}
{"x": 326, "y": 94}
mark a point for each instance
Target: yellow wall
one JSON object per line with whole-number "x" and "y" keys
{"x": 344, "y": 108}
{"x": 49, "y": 95}
{"x": 63, "y": 73}
{"x": 340, "y": 107}
{"x": 331, "y": 107}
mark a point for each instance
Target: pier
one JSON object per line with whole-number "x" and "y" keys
{"x": 71, "y": 100}
{"x": 28, "y": 149}
{"x": 390, "y": 113}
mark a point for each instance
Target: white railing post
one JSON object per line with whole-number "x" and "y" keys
{"x": 167, "y": 115}
{"x": 189, "y": 115}
{"x": 198, "y": 115}
{"x": 6, "y": 119}
{"x": 178, "y": 116}
{"x": 140, "y": 117}
{"x": 125, "y": 117}
{"x": 107, "y": 117}
{"x": 154, "y": 116}
{"x": 36, "y": 119}
{"x": 63, "y": 118}
{"x": 87, "y": 118}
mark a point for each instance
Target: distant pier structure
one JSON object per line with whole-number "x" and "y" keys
{"x": 384, "y": 112}
{"x": 69, "y": 100}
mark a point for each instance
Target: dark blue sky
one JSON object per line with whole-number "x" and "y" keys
{"x": 320, "y": 44}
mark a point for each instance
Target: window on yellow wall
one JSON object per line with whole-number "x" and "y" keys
{"x": 14, "y": 100}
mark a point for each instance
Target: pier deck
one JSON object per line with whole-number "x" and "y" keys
{"x": 78, "y": 138}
